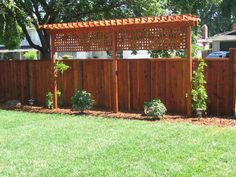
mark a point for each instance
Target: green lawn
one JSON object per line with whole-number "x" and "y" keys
{"x": 62, "y": 145}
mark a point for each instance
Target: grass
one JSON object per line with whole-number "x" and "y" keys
{"x": 62, "y": 145}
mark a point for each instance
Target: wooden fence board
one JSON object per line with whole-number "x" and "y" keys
{"x": 159, "y": 80}
{"x": 98, "y": 81}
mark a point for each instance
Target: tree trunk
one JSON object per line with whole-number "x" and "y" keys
{"x": 45, "y": 54}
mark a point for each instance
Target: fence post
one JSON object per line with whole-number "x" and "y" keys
{"x": 189, "y": 72}
{"x": 232, "y": 81}
{"x": 55, "y": 101}
{"x": 115, "y": 73}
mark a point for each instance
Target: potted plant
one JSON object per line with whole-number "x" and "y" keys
{"x": 199, "y": 92}
{"x": 31, "y": 101}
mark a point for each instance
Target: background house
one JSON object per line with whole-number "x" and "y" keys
{"x": 223, "y": 41}
{"x": 220, "y": 42}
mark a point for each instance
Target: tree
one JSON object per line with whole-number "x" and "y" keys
{"x": 10, "y": 33}
{"x": 229, "y": 12}
{"x": 18, "y": 15}
{"x": 218, "y": 15}
{"x": 30, "y": 55}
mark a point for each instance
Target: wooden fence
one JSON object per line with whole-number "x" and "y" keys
{"x": 138, "y": 81}
{"x": 218, "y": 77}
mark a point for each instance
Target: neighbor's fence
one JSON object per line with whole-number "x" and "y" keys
{"x": 138, "y": 81}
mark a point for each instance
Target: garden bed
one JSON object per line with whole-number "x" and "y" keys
{"x": 224, "y": 121}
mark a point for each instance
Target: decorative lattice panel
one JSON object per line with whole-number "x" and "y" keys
{"x": 91, "y": 41}
{"x": 141, "y": 39}
{"x": 152, "y": 39}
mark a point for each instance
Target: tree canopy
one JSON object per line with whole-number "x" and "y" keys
{"x": 218, "y": 15}
{"x": 18, "y": 15}
{"x": 10, "y": 33}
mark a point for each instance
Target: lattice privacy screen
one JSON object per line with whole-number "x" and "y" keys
{"x": 142, "y": 39}
{"x": 91, "y": 41}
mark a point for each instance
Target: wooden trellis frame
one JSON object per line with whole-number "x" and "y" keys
{"x": 147, "y": 33}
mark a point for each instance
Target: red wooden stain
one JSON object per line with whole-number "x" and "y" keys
{"x": 138, "y": 81}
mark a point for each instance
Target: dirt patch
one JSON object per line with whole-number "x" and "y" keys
{"x": 213, "y": 121}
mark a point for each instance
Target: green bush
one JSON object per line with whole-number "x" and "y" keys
{"x": 199, "y": 93}
{"x": 49, "y": 99}
{"x": 82, "y": 101}
{"x": 155, "y": 108}
{"x": 30, "y": 55}
{"x": 61, "y": 67}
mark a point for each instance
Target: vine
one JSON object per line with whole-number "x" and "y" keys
{"x": 61, "y": 67}
{"x": 199, "y": 92}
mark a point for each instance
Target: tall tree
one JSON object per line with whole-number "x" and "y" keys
{"x": 229, "y": 11}
{"x": 10, "y": 33}
{"x": 18, "y": 15}
{"x": 219, "y": 15}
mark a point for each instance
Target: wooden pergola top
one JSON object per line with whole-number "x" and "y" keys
{"x": 189, "y": 20}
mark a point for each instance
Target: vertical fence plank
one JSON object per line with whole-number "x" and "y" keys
{"x": 233, "y": 80}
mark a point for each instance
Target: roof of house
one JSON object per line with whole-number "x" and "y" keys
{"x": 226, "y": 36}
{"x": 189, "y": 20}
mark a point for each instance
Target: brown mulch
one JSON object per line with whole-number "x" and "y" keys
{"x": 212, "y": 121}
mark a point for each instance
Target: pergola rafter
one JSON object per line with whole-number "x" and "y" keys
{"x": 146, "y": 33}
{"x": 160, "y": 20}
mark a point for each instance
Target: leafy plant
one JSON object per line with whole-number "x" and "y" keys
{"x": 174, "y": 53}
{"x": 49, "y": 99}
{"x": 155, "y": 108}
{"x": 30, "y": 55}
{"x": 61, "y": 67}
{"x": 82, "y": 100}
{"x": 199, "y": 92}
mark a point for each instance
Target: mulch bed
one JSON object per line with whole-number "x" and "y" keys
{"x": 212, "y": 121}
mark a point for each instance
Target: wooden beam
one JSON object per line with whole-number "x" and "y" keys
{"x": 65, "y": 30}
{"x": 115, "y": 73}
{"x": 54, "y": 89}
{"x": 143, "y": 21}
{"x": 189, "y": 72}
{"x": 232, "y": 99}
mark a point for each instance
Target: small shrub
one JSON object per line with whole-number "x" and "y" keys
{"x": 155, "y": 108}
{"x": 30, "y": 55}
{"x": 82, "y": 101}
{"x": 49, "y": 99}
